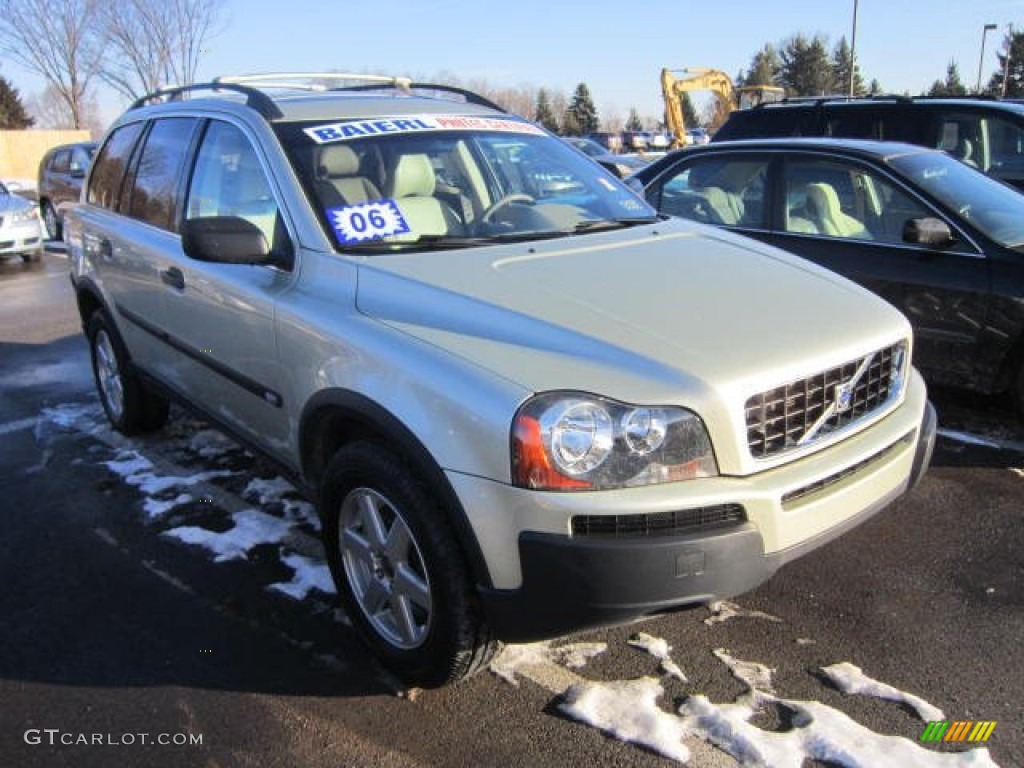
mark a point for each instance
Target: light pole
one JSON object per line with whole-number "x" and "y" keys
{"x": 981, "y": 59}
{"x": 1006, "y": 63}
{"x": 853, "y": 49}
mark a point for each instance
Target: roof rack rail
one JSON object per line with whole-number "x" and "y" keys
{"x": 469, "y": 96}
{"x": 308, "y": 80}
{"x": 253, "y": 86}
{"x": 819, "y": 100}
{"x": 254, "y": 98}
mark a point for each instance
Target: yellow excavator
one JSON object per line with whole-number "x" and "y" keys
{"x": 730, "y": 97}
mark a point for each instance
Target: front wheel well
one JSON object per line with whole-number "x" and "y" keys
{"x": 336, "y": 418}
{"x": 88, "y": 303}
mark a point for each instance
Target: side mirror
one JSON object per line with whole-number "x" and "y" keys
{"x": 225, "y": 240}
{"x": 928, "y": 231}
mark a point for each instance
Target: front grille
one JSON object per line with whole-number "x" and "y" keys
{"x": 827, "y": 482}
{"x": 671, "y": 523}
{"x": 806, "y": 410}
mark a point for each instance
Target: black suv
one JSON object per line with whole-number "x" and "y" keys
{"x": 985, "y": 133}
{"x": 61, "y": 172}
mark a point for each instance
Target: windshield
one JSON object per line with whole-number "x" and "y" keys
{"x": 411, "y": 182}
{"x": 989, "y": 205}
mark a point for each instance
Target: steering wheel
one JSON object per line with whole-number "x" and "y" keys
{"x": 496, "y": 206}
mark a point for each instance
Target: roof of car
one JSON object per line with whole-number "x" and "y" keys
{"x": 879, "y": 151}
{"x": 320, "y": 96}
{"x": 865, "y": 147}
{"x": 886, "y": 102}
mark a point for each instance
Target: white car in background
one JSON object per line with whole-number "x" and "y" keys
{"x": 21, "y": 231}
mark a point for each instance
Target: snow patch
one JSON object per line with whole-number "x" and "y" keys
{"x": 628, "y": 710}
{"x": 276, "y": 490}
{"x": 514, "y": 658}
{"x": 157, "y": 508}
{"x": 849, "y": 678}
{"x": 309, "y": 574}
{"x": 209, "y": 443}
{"x": 659, "y": 649}
{"x": 723, "y": 610}
{"x": 137, "y": 470}
{"x": 251, "y": 528}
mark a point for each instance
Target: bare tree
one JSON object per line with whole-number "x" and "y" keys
{"x": 153, "y": 43}
{"x": 50, "y": 111}
{"x": 59, "y": 41}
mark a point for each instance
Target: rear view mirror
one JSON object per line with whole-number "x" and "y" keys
{"x": 928, "y": 231}
{"x": 225, "y": 240}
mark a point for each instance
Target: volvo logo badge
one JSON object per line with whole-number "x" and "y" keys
{"x": 844, "y": 396}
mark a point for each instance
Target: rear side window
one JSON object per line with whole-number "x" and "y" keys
{"x": 111, "y": 164}
{"x": 61, "y": 161}
{"x": 154, "y": 195}
{"x": 767, "y": 121}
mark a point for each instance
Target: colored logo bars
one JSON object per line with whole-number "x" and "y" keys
{"x": 958, "y": 730}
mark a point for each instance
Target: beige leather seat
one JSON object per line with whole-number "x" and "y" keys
{"x": 337, "y": 178}
{"x": 825, "y": 212}
{"x": 965, "y": 152}
{"x": 726, "y": 208}
{"x": 412, "y": 188}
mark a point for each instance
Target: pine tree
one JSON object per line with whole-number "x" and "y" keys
{"x": 952, "y": 86}
{"x": 544, "y": 115}
{"x": 1013, "y": 46}
{"x": 842, "y": 63}
{"x": 13, "y": 116}
{"x": 581, "y": 115}
{"x": 765, "y": 68}
{"x": 806, "y": 67}
{"x": 633, "y": 121}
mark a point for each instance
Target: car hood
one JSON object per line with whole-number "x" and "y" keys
{"x": 12, "y": 203}
{"x": 640, "y": 314}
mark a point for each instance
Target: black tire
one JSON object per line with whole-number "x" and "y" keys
{"x": 51, "y": 221}
{"x": 394, "y": 556}
{"x": 131, "y": 408}
{"x": 32, "y": 256}
{"x": 1018, "y": 390}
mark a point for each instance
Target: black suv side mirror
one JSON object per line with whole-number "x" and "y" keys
{"x": 225, "y": 240}
{"x": 928, "y": 231}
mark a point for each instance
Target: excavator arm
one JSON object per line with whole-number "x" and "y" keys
{"x": 698, "y": 79}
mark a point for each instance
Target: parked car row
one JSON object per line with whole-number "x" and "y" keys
{"x": 631, "y": 141}
{"x": 61, "y": 173}
{"x": 21, "y": 232}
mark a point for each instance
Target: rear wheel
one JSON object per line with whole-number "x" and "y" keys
{"x": 131, "y": 407}
{"x": 399, "y": 570}
{"x": 51, "y": 221}
{"x": 1018, "y": 390}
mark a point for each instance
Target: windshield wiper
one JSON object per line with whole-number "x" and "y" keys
{"x": 422, "y": 243}
{"x": 593, "y": 225}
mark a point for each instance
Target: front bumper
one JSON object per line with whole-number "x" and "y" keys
{"x": 24, "y": 237}
{"x": 567, "y": 583}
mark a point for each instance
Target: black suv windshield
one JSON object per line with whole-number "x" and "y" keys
{"x": 437, "y": 181}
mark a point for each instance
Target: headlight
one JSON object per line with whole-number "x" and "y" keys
{"x": 568, "y": 441}
{"x": 20, "y": 217}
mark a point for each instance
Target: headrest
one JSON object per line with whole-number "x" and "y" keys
{"x": 414, "y": 175}
{"x": 823, "y": 197}
{"x": 337, "y": 160}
